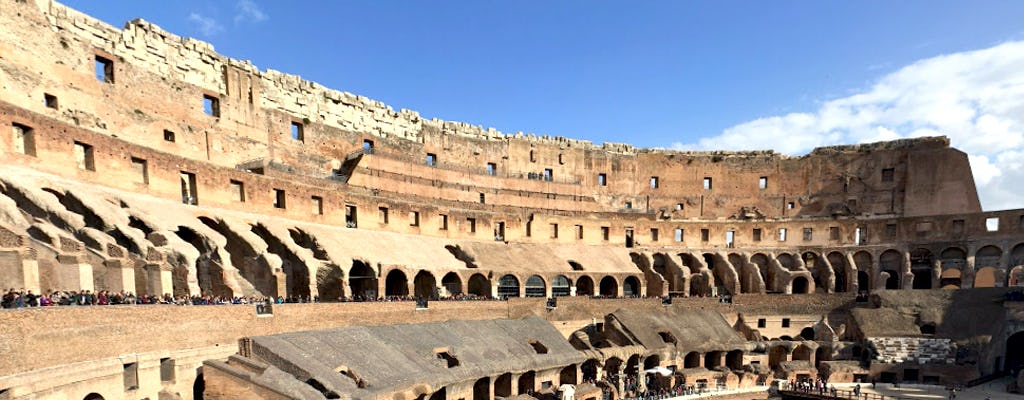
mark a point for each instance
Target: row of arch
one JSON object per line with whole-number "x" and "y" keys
{"x": 687, "y": 274}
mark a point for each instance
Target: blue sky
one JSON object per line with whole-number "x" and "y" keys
{"x": 682, "y": 74}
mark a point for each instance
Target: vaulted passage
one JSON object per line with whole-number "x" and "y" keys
{"x": 838, "y": 261}
{"x": 396, "y": 284}
{"x": 425, "y": 285}
{"x": 508, "y": 286}
{"x": 584, "y": 286}
{"x": 452, "y": 283}
{"x": 295, "y": 270}
{"x": 329, "y": 283}
{"x": 479, "y": 285}
{"x": 362, "y": 280}
{"x": 609, "y": 287}
{"x": 1015, "y": 352}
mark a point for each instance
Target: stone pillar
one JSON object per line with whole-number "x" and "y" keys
{"x": 311, "y": 272}
{"x": 30, "y": 274}
{"x": 572, "y": 290}
{"x": 72, "y": 274}
{"x": 120, "y": 275}
{"x": 158, "y": 279}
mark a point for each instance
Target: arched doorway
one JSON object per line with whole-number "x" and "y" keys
{"x": 93, "y": 396}
{"x": 363, "y": 281}
{"x": 567, "y": 376}
{"x": 612, "y": 367}
{"x": 396, "y": 284}
{"x": 692, "y": 360}
{"x": 950, "y": 279}
{"x": 862, "y": 260}
{"x": 800, "y": 285}
{"x": 632, "y": 365}
{"x": 329, "y": 279}
{"x": 788, "y": 261}
{"x": 482, "y": 389}
{"x": 535, "y": 286}
{"x": 838, "y": 261}
{"x": 1017, "y": 255}
{"x": 734, "y": 360}
{"x": 1015, "y": 352}
{"x": 652, "y": 361}
{"x": 560, "y": 286}
{"x": 921, "y": 267}
{"x": 527, "y": 382}
{"x": 807, "y": 333}
{"x": 712, "y": 359}
{"x": 452, "y": 284}
{"x": 508, "y": 286}
{"x": 768, "y": 277}
{"x": 631, "y": 286}
{"x": 609, "y": 287}
{"x": 503, "y": 385}
{"x": 584, "y": 286}
{"x": 820, "y": 272}
{"x": 479, "y": 285}
{"x": 987, "y": 256}
{"x": 802, "y": 352}
{"x": 589, "y": 370}
{"x": 776, "y": 356}
{"x": 425, "y": 285}
{"x": 890, "y": 261}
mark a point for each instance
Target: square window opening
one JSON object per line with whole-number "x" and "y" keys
{"x": 141, "y": 170}
{"x": 50, "y": 101}
{"x": 431, "y": 160}
{"x": 602, "y": 179}
{"x": 24, "y": 139}
{"x": 992, "y": 224}
{"x": 762, "y": 182}
{"x": 707, "y": 183}
{"x": 104, "y": 69}
{"x": 808, "y": 234}
{"x": 317, "y": 205}
{"x": 279, "y": 199}
{"x": 237, "y": 191}
{"x": 168, "y": 136}
{"x": 211, "y": 105}
{"x": 782, "y": 234}
{"x": 84, "y": 156}
{"x": 298, "y": 131}
{"x": 888, "y": 174}
{"x": 492, "y": 169}
{"x": 383, "y": 214}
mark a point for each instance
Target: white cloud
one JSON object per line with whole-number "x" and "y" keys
{"x": 208, "y": 26}
{"x": 976, "y": 98}
{"x": 249, "y": 11}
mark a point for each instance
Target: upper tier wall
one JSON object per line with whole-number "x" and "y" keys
{"x": 158, "y": 81}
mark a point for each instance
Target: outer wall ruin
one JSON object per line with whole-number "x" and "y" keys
{"x": 138, "y": 161}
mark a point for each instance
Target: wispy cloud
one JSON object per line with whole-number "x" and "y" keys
{"x": 249, "y": 11}
{"x": 976, "y": 98}
{"x": 208, "y": 26}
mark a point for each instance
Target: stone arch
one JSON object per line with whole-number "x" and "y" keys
{"x": 652, "y": 361}
{"x": 362, "y": 280}
{"x": 692, "y": 360}
{"x": 777, "y": 355}
{"x": 891, "y": 262}
{"x": 1017, "y": 255}
{"x": 663, "y": 265}
{"x": 396, "y": 283}
{"x": 536, "y": 287}
{"x": 734, "y": 360}
{"x": 527, "y": 382}
{"x": 800, "y": 285}
{"x": 632, "y": 365}
{"x": 425, "y": 285}
{"x": 503, "y": 385}
{"x": 807, "y": 333}
{"x": 1016, "y": 276}
{"x": 762, "y": 264}
{"x": 712, "y": 359}
{"x": 802, "y": 352}
{"x": 482, "y": 389}
{"x": 479, "y": 285}
{"x": 953, "y": 257}
{"x": 560, "y": 286}
{"x": 452, "y": 283}
{"x": 838, "y": 261}
{"x": 987, "y": 256}
{"x": 921, "y": 266}
{"x": 585, "y": 286}
{"x": 589, "y": 369}
{"x": 508, "y": 286}
{"x": 568, "y": 376}
{"x": 612, "y": 366}
{"x": 93, "y": 396}
{"x": 329, "y": 282}
{"x": 864, "y": 263}
{"x": 821, "y": 273}
{"x": 747, "y": 284}
{"x": 609, "y": 287}
{"x": 631, "y": 286}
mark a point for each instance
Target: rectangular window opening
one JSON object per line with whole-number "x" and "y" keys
{"x": 785, "y": 322}
{"x": 782, "y": 234}
{"x": 605, "y": 233}
{"x": 50, "y": 101}
{"x": 890, "y": 231}
{"x": 602, "y": 179}
{"x": 992, "y": 224}
{"x": 280, "y": 199}
{"x": 860, "y": 236}
{"x": 414, "y": 218}
{"x": 141, "y": 170}
{"x": 351, "y": 216}
{"x": 579, "y": 232}
{"x": 679, "y": 206}
{"x": 382, "y": 213}
{"x": 237, "y": 191}
{"x": 483, "y": 198}
{"x": 24, "y": 140}
{"x": 833, "y": 233}
{"x": 211, "y": 105}
{"x": 168, "y": 136}
{"x": 442, "y": 223}
{"x": 654, "y": 182}
{"x": 762, "y": 323}
{"x": 131, "y": 376}
{"x": 705, "y": 234}
{"x": 317, "y": 205}
{"x": 707, "y": 183}
{"x": 678, "y": 235}
{"x": 654, "y": 234}
{"x": 298, "y": 131}
{"x": 492, "y": 169}
{"x": 730, "y": 239}
{"x": 104, "y": 69}
{"x": 166, "y": 370}
{"x": 756, "y": 234}
{"x": 367, "y": 146}
{"x": 554, "y": 231}
{"x": 888, "y": 174}
{"x": 548, "y": 174}
{"x": 84, "y": 156}
{"x": 808, "y": 234}
{"x": 431, "y": 160}
{"x": 762, "y": 183}
{"x": 472, "y": 224}
{"x": 189, "y": 191}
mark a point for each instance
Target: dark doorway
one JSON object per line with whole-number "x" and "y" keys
{"x": 1015, "y": 352}
{"x": 363, "y": 281}
{"x": 800, "y": 285}
{"x": 396, "y": 284}
{"x": 482, "y": 389}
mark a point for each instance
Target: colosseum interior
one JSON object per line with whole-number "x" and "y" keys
{"x": 416, "y": 258}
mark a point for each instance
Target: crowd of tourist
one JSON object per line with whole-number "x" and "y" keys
{"x": 652, "y": 390}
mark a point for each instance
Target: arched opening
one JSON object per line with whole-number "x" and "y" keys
{"x": 631, "y": 286}
{"x": 663, "y": 265}
{"x": 921, "y": 267}
{"x": 609, "y": 287}
{"x": 584, "y": 286}
{"x": 425, "y": 285}
{"x": 482, "y": 389}
{"x": 745, "y": 272}
{"x": 950, "y": 279}
{"x": 652, "y": 361}
{"x": 508, "y": 286}
{"x": 692, "y": 360}
{"x": 734, "y": 360}
{"x": 535, "y": 286}
{"x": 503, "y": 385}
{"x": 986, "y": 277}
{"x": 712, "y": 359}
{"x": 838, "y": 261}
{"x": 761, "y": 261}
{"x": 396, "y": 284}
{"x": 93, "y": 396}
{"x": 363, "y": 281}
{"x": 329, "y": 280}
{"x": 632, "y": 365}
{"x": 800, "y": 285}
{"x": 441, "y": 394}
{"x": 560, "y": 286}
{"x": 890, "y": 261}
{"x": 802, "y": 352}
{"x": 199, "y": 385}
{"x": 589, "y": 370}
{"x": 987, "y": 256}
{"x": 1017, "y": 255}
{"x": 699, "y": 285}
{"x": 1016, "y": 276}
{"x": 612, "y": 367}
{"x": 567, "y": 376}
{"x": 820, "y": 272}
{"x": 1014, "y": 352}
{"x": 807, "y": 333}
{"x": 788, "y": 262}
{"x": 776, "y": 356}
{"x": 822, "y": 354}
{"x": 862, "y": 260}
{"x": 479, "y": 285}
{"x": 452, "y": 284}
{"x": 527, "y": 382}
